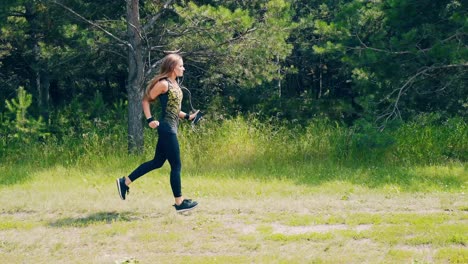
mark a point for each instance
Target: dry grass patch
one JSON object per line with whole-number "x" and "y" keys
{"x": 78, "y": 218}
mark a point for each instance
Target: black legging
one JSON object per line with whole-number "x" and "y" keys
{"x": 166, "y": 149}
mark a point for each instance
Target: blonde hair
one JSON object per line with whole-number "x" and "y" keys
{"x": 168, "y": 64}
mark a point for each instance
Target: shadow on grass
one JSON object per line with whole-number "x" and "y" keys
{"x": 96, "y": 218}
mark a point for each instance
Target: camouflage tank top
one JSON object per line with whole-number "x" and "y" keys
{"x": 170, "y": 103}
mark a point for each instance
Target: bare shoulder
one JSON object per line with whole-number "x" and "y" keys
{"x": 159, "y": 88}
{"x": 162, "y": 86}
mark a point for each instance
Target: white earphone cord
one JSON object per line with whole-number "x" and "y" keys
{"x": 189, "y": 93}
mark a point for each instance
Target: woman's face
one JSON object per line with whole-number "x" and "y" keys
{"x": 179, "y": 69}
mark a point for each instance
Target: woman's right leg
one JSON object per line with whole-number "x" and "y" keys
{"x": 156, "y": 163}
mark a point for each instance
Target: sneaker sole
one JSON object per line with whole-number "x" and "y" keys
{"x": 119, "y": 189}
{"x": 186, "y": 210}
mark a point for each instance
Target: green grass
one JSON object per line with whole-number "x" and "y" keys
{"x": 320, "y": 194}
{"x": 318, "y": 153}
{"x": 75, "y": 216}
{"x": 452, "y": 255}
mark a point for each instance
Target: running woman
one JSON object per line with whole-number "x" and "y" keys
{"x": 165, "y": 86}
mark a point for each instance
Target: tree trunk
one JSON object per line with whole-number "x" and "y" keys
{"x": 45, "y": 99}
{"x": 41, "y": 80}
{"x": 135, "y": 79}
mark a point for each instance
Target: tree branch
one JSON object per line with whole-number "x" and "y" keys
{"x": 364, "y": 46}
{"x": 229, "y": 41}
{"x": 153, "y": 20}
{"x": 393, "y": 110}
{"x": 126, "y": 43}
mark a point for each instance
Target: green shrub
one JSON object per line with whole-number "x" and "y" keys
{"x": 428, "y": 139}
{"x": 17, "y": 127}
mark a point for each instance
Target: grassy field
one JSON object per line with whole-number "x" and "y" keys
{"x": 70, "y": 215}
{"x": 323, "y": 193}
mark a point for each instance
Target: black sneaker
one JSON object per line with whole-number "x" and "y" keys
{"x": 122, "y": 188}
{"x": 186, "y": 205}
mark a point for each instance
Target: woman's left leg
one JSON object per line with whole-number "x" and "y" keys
{"x": 173, "y": 156}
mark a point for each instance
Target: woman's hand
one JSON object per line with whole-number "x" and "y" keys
{"x": 153, "y": 124}
{"x": 192, "y": 116}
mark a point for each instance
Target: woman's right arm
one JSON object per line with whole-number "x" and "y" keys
{"x": 158, "y": 89}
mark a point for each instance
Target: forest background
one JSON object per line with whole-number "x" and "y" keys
{"x": 351, "y": 81}
{"x": 329, "y": 126}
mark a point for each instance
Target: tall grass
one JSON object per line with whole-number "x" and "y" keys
{"x": 327, "y": 151}
{"x": 241, "y": 147}
{"x": 241, "y": 142}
